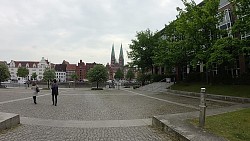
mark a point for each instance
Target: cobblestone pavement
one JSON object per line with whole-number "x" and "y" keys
{"x": 44, "y": 133}
{"x": 87, "y": 105}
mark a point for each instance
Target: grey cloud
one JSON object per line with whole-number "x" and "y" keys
{"x": 77, "y": 29}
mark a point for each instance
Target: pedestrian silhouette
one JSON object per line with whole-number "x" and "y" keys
{"x": 35, "y": 89}
{"x": 54, "y": 90}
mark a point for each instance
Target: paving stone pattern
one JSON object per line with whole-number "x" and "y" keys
{"x": 87, "y": 105}
{"x": 43, "y": 133}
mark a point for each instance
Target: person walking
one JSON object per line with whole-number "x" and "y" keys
{"x": 54, "y": 89}
{"x": 35, "y": 89}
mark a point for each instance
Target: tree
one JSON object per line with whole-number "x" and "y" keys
{"x": 49, "y": 75}
{"x": 119, "y": 74}
{"x": 22, "y": 72}
{"x": 74, "y": 77}
{"x": 242, "y": 25}
{"x": 34, "y": 76}
{"x": 130, "y": 75}
{"x": 198, "y": 23}
{"x": 142, "y": 50}
{"x": 242, "y": 10}
{"x": 98, "y": 74}
{"x": 171, "y": 51}
{"x": 4, "y": 73}
{"x": 225, "y": 51}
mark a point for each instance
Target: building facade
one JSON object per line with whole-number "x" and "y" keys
{"x": 32, "y": 66}
{"x": 60, "y": 70}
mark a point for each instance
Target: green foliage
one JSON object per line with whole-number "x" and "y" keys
{"x": 144, "y": 78}
{"x": 49, "y": 74}
{"x": 4, "y": 73}
{"x": 34, "y": 76}
{"x": 242, "y": 10}
{"x": 171, "y": 51}
{"x": 130, "y": 74}
{"x": 97, "y": 74}
{"x": 225, "y": 50}
{"x": 74, "y": 76}
{"x": 119, "y": 74}
{"x": 142, "y": 50}
{"x": 22, "y": 72}
{"x": 198, "y": 26}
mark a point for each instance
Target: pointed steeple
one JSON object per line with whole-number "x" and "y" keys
{"x": 113, "y": 51}
{"x": 121, "y": 58}
{"x": 113, "y": 55}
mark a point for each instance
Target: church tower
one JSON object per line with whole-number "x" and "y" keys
{"x": 121, "y": 58}
{"x": 112, "y": 56}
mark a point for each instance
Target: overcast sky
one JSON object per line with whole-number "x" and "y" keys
{"x": 76, "y": 30}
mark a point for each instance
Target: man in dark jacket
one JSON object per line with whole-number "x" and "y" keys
{"x": 54, "y": 88}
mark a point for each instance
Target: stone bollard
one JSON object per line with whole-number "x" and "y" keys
{"x": 202, "y": 108}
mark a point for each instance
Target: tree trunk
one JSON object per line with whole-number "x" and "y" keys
{"x": 97, "y": 84}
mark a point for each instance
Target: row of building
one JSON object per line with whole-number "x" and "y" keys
{"x": 65, "y": 70}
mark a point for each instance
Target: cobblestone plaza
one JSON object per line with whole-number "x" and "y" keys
{"x": 82, "y": 114}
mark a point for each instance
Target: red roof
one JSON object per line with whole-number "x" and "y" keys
{"x": 71, "y": 67}
{"x": 24, "y": 63}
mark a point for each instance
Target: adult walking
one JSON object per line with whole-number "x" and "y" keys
{"x": 54, "y": 89}
{"x": 35, "y": 89}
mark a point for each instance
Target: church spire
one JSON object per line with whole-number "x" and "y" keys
{"x": 121, "y": 58}
{"x": 113, "y": 55}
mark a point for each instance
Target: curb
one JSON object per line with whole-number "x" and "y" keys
{"x": 212, "y": 96}
{"x": 8, "y": 120}
{"x": 177, "y": 136}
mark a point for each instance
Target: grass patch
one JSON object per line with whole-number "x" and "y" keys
{"x": 229, "y": 90}
{"x": 235, "y": 126}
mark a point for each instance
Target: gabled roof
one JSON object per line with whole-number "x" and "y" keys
{"x": 71, "y": 67}
{"x": 23, "y": 63}
{"x": 60, "y": 67}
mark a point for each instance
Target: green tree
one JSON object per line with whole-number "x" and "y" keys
{"x": 22, "y": 72}
{"x": 130, "y": 75}
{"x": 172, "y": 50}
{"x": 98, "y": 74}
{"x": 199, "y": 27}
{"x": 242, "y": 24}
{"x": 75, "y": 78}
{"x": 119, "y": 74}
{"x": 4, "y": 73}
{"x": 49, "y": 75}
{"x": 142, "y": 50}
{"x": 242, "y": 10}
{"x": 225, "y": 51}
{"x": 34, "y": 76}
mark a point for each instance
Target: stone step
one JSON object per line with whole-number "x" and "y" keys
{"x": 8, "y": 120}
